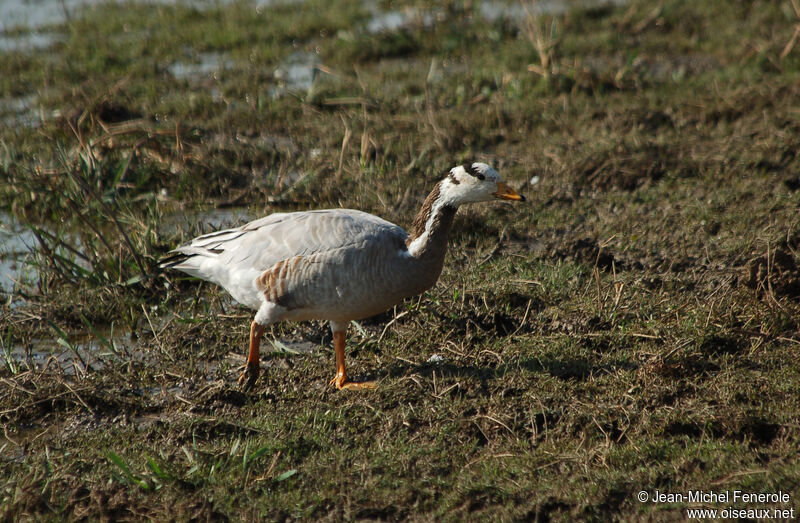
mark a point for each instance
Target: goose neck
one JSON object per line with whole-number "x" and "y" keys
{"x": 431, "y": 226}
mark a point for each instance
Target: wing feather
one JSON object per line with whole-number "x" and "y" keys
{"x": 260, "y": 244}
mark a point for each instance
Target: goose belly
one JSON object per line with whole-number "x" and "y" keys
{"x": 353, "y": 284}
{"x": 341, "y": 305}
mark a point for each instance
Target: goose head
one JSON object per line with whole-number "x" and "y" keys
{"x": 468, "y": 183}
{"x": 475, "y": 182}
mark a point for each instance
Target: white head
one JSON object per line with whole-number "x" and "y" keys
{"x": 475, "y": 182}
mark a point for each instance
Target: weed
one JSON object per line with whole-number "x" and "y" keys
{"x": 542, "y": 33}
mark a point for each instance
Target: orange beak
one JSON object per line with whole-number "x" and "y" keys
{"x": 504, "y": 192}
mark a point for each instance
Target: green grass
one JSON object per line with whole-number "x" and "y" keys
{"x": 633, "y": 327}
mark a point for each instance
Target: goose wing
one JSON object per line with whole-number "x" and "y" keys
{"x": 260, "y": 244}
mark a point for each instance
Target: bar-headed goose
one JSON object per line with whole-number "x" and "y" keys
{"x": 337, "y": 265}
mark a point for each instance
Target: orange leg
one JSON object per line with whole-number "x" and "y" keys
{"x": 250, "y": 375}
{"x": 340, "y": 381}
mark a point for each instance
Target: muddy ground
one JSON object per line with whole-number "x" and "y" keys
{"x": 632, "y": 327}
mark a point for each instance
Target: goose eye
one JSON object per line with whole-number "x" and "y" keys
{"x": 481, "y": 177}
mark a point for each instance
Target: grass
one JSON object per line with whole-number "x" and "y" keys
{"x": 633, "y": 328}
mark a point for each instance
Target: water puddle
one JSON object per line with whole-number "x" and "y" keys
{"x": 91, "y": 353}
{"x": 23, "y": 23}
{"x": 28, "y": 41}
{"x": 37, "y": 14}
{"x": 296, "y": 74}
{"x": 20, "y": 252}
{"x": 394, "y": 20}
{"x": 201, "y": 66}
{"x": 20, "y": 111}
{"x": 72, "y": 357}
{"x": 266, "y": 4}
{"x": 17, "y": 243}
{"x": 387, "y": 21}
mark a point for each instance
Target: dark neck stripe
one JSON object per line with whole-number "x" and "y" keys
{"x": 418, "y": 225}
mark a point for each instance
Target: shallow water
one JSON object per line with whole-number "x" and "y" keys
{"x": 90, "y": 352}
{"x": 16, "y": 245}
{"x": 21, "y": 110}
{"x": 489, "y": 10}
{"x": 201, "y": 65}
{"x": 71, "y": 357}
{"x": 387, "y": 21}
{"x": 35, "y": 16}
{"x": 29, "y": 41}
{"x": 296, "y": 73}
